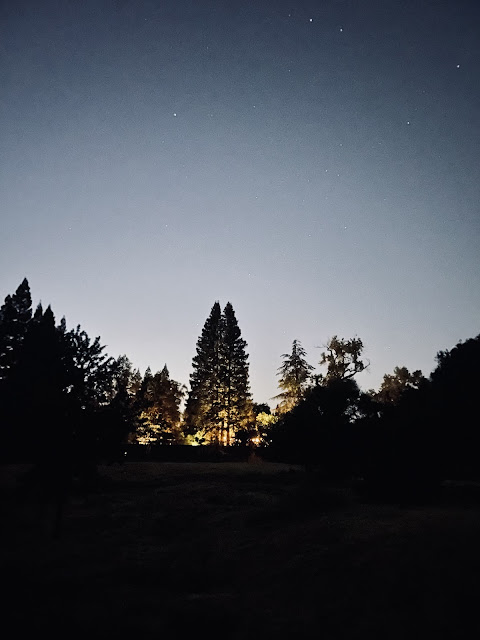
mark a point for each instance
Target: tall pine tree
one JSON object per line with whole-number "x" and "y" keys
{"x": 237, "y": 404}
{"x": 219, "y": 402}
{"x": 203, "y": 407}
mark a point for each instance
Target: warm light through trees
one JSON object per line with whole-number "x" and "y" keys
{"x": 67, "y": 404}
{"x": 219, "y": 402}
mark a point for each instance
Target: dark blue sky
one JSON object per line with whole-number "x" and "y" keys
{"x": 315, "y": 163}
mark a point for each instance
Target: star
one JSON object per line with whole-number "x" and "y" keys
{"x": 341, "y": 29}
{"x": 408, "y": 121}
{"x": 174, "y": 115}
{"x": 311, "y": 20}
{"x": 458, "y": 66}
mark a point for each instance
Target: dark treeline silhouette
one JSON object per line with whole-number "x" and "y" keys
{"x": 402, "y": 440}
{"x": 65, "y": 405}
{"x": 54, "y": 384}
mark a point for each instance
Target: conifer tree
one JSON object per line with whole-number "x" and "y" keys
{"x": 294, "y": 376}
{"x": 219, "y": 401}
{"x": 15, "y": 315}
{"x": 237, "y": 402}
{"x": 160, "y": 408}
{"x": 35, "y": 404}
{"x": 203, "y": 407}
{"x": 121, "y": 418}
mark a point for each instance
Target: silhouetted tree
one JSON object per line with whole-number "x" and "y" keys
{"x": 219, "y": 401}
{"x": 342, "y": 358}
{"x": 203, "y": 406}
{"x": 398, "y": 452}
{"x": 91, "y": 369}
{"x": 121, "y": 417}
{"x": 394, "y": 385}
{"x": 455, "y": 384}
{"x": 36, "y": 387}
{"x": 318, "y": 431}
{"x": 294, "y": 375}
{"x": 15, "y": 315}
{"x": 235, "y": 394}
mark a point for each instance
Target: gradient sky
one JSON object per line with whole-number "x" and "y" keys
{"x": 315, "y": 163}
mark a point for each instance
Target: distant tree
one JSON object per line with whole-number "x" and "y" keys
{"x": 294, "y": 374}
{"x": 15, "y": 315}
{"x": 219, "y": 402}
{"x": 395, "y": 385}
{"x": 342, "y": 358}
{"x": 257, "y": 431}
{"x": 264, "y": 423}
{"x": 121, "y": 417}
{"x": 160, "y": 409}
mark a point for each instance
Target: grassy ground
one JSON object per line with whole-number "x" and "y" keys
{"x": 237, "y": 550}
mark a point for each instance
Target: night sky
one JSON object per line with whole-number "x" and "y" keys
{"x": 314, "y": 163}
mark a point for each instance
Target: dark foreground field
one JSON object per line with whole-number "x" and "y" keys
{"x": 237, "y": 550}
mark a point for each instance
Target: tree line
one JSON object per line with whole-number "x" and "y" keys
{"x": 61, "y": 395}
{"x": 406, "y": 437}
{"x": 60, "y": 391}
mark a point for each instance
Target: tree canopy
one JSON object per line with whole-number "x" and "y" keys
{"x": 63, "y": 397}
{"x": 342, "y": 358}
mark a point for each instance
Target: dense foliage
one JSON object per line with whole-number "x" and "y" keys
{"x": 219, "y": 403}
{"x": 62, "y": 398}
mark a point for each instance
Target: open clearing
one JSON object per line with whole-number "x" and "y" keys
{"x": 237, "y": 550}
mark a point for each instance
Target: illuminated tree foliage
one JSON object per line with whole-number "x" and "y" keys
{"x": 120, "y": 418}
{"x": 295, "y": 375}
{"x": 159, "y": 399}
{"x": 219, "y": 402}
